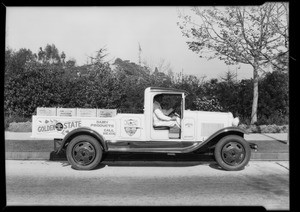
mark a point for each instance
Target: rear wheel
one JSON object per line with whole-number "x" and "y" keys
{"x": 84, "y": 152}
{"x": 232, "y": 153}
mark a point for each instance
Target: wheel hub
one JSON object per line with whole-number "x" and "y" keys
{"x": 83, "y": 153}
{"x": 233, "y": 153}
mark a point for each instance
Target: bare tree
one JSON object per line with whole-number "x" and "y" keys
{"x": 254, "y": 35}
{"x": 229, "y": 76}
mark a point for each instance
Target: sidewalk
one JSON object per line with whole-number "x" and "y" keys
{"x": 19, "y": 145}
{"x": 281, "y": 137}
{"x": 20, "y": 136}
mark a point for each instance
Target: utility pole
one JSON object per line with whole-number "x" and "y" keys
{"x": 182, "y": 76}
{"x": 236, "y": 74}
{"x": 140, "y": 52}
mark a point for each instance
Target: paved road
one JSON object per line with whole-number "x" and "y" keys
{"x": 56, "y": 183}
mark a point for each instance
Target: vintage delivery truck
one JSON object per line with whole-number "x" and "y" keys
{"x": 85, "y": 135}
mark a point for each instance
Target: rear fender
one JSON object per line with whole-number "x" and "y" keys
{"x": 82, "y": 131}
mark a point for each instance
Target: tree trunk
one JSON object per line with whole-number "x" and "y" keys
{"x": 255, "y": 95}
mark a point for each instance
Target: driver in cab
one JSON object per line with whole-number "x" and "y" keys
{"x": 160, "y": 116}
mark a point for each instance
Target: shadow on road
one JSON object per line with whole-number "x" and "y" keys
{"x": 154, "y": 163}
{"x": 146, "y": 160}
{"x": 215, "y": 165}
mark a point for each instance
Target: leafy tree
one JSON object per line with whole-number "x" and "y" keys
{"x": 160, "y": 79}
{"x": 15, "y": 69}
{"x": 192, "y": 85}
{"x": 254, "y": 35}
{"x": 95, "y": 85}
{"x": 243, "y": 104}
{"x": 275, "y": 100}
{"x": 71, "y": 63}
{"x": 30, "y": 83}
{"x": 63, "y": 57}
{"x": 16, "y": 61}
{"x": 205, "y": 104}
{"x": 133, "y": 79}
{"x": 50, "y": 54}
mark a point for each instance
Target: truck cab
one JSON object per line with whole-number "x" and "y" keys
{"x": 162, "y": 132}
{"x": 86, "y": 139}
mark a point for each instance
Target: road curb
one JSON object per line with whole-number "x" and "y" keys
{"x": 27, "y": 155}
{"x": 283, "y": 156}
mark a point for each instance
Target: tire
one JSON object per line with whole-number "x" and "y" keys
{"x": 232, "y": 153}
{"x": 84, "y": 152}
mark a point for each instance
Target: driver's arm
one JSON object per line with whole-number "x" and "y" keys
{"x": 160, "y": 115}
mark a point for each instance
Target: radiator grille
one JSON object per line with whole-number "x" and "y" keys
{"x": 208, "y": 129}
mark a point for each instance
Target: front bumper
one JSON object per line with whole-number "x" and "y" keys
{"x": 253, "y": 146}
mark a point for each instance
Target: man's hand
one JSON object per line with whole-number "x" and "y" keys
{"x": 168, "y": 112}
{"x": 173, "y": 118}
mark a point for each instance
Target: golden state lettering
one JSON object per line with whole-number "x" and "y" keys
{"x": 72, "y": 124}
{"x": 48, "y": 128}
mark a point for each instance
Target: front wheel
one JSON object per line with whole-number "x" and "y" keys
{"x": 84, "y": 152}
{"x": 232, "y": 153}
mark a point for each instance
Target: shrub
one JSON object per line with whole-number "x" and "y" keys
{"x": 276, "y": 118}
{"x": 14, "y": 118}
{"x": 20, "y": 127}
{"x": 269, "y": 128}
{"x": 264, "y": 128}
{"x": 284, "y": 128}
{"x": 253, "y": 129}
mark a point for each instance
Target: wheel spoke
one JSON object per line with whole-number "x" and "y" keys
{"x": 227, "y": 156}
{"x": 86, "y": 145}
{"x": 86, "y": 159}
{"x": 77, "y": 147}
{"x": 237, "y": 147}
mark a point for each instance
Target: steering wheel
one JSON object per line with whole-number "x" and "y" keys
{"x": 176, "y": 114}
{"x": 173, "y": 113}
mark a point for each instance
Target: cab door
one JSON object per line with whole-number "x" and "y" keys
{"x": 163, "y": 133}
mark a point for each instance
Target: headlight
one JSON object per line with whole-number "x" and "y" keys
{"x": 235, "y": 122}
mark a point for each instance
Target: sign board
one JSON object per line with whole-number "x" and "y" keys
{"x": 106, "y": 127}
{"x": 66, "y": 112}
{"x": 55, "y": 127}
{"x": 86, "y": 112}
{"x": 130, "y": 127}
{"x": 46, "y": 111}
{"x": 106, "y": 112}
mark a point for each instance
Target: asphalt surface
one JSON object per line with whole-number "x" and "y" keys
{"x": 56, "y": 183}
{"x": 20, "y": 146}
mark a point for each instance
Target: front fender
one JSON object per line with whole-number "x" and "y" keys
{"x": 82, "y": 131}
{"x": 214, "y": 138}
{"x": 229, "y": 130}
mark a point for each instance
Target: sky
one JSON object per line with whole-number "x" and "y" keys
{"x": 81, "y": 31}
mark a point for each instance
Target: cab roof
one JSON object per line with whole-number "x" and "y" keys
{"x": 167, "y": 90}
